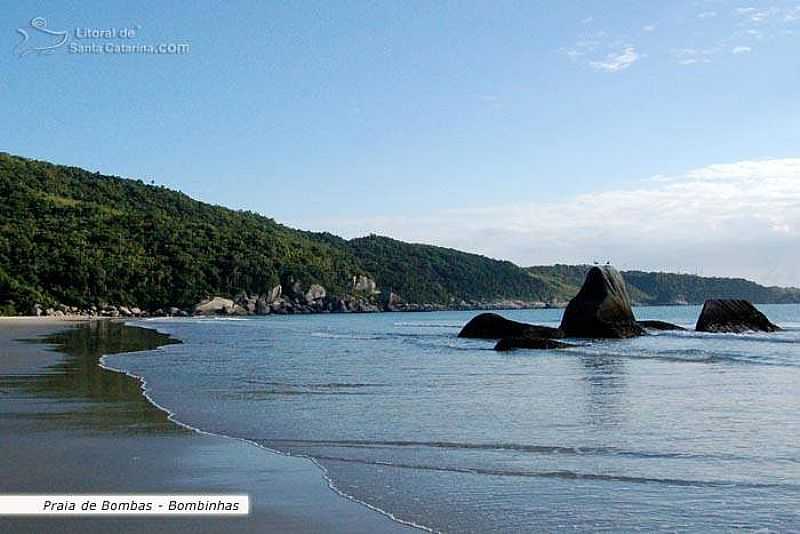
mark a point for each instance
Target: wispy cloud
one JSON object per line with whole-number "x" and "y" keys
{"x": 706, "y": 15}
{"x": 693, "y": 56}
{"x": 617, "y": 61}
{"x": 758, "y": 15}
{"x": 732, "y": 219}
{"x": 735, "y": 29}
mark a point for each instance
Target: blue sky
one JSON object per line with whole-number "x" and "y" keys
{"x": 658, "y": 135}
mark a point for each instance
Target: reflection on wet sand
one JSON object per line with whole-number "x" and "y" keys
{"x": 91, "y": 397}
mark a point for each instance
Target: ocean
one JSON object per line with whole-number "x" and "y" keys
{"x": 675, "y": 431}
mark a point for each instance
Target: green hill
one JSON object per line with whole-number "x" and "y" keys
{"x": 83, "y": 239}
{"x": 424, "y": 273}
{"x": 651, "y": 288}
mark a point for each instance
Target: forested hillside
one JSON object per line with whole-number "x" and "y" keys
{"x": 669, "y": 288}
{"x": 78, "y": 238}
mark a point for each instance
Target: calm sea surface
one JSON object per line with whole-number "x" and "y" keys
{"x": 673, "y": 431}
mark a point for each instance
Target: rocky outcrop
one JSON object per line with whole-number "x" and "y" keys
{"x": 365, "y": 284}
{"x": 315, "y": 292}
{"x": 273, "y": 294}
{"x": 602, "y": 308}
{"x": 493, "y": 326}
{"x": 529, "y": 342}
{"x": 213, "y": 306}
{"x": 733, "y": 316}
{"x": 659, "y": 325}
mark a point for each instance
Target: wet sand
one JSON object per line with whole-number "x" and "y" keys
{"x": 69, "y": 426}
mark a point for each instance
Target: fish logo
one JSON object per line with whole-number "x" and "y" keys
{"x": 50, "y": 40}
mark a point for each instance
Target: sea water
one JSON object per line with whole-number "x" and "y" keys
{"x": 673, "y": 431}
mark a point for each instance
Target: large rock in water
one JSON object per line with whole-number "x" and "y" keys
{"x": 602, "y": 308}
{"x": 493, "y": 326}
{"x": 732, "y": 316}
{"x": 528, "y": 342}
{"x": 659, "y": 325}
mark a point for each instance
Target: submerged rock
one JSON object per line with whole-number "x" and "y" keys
{"x": 529, "y": 342}
{"x": 732, "y": 316}
{"x": 493, "y": 326}
{"x": 659, "y": 325}
{"x": 602, "y": 308}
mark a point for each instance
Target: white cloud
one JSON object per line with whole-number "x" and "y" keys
{"x": 741, "y": 49}
{"x": 649, "y": 28}
{"x": 757, "y": 15}
{"x": 733, "y": 219}
{"x": 706, "y": 15}
{"x": 587, "y": 20}
{"x": 692, "y": 56}
{"x": 616, "y": 61}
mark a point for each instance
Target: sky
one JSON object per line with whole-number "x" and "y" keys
{"x": 655, "y": 135}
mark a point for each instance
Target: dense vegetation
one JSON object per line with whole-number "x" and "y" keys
{"x": 669, "y": 288}
{"x": 80, "y": 238}
{"x": 424, "y": 273}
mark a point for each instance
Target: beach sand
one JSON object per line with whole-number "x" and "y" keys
{"x": 67, "y": 426}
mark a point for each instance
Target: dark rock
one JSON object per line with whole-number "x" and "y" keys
{"x": 493, "y": 326}
{"x": 660, "y": 325}
{"x": 733, "y": 316}
{"x": 602, "y": 308}
{"x": 262, "y": 306}
{"x": 529, "y": 342}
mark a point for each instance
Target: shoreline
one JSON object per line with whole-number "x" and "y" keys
{"x": 171, "y": 416}
{"x": 142, "y": 455}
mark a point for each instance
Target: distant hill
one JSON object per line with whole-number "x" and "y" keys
{"x": 652, "y": 288}
{"x": 82, "y": 239}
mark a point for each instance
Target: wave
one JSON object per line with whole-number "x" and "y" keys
{"x": 171, "y": 416}
{"x": 698, "y": 356}
{"x": 360, "y": 337}
{"x": 570, "y": 475}
{"x": 516, "y": 447}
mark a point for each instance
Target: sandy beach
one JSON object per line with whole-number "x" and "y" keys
{"x": 67, "y": 426}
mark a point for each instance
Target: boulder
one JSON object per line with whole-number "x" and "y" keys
{"x": 273, "y": 294}
{"x": 602, "y": 308}
{"x": 659, "y": 325}
{"x": 364, "y": 284}
{"x": 732, "y": 316}
{"x": 262, "y": 306}
{"x": 493, "y": 326}
{"x": 213, "y": 306}
{"x": 529, "y": 342}
{"x": 315, "y": 292}
{"x": 393, "y": 302}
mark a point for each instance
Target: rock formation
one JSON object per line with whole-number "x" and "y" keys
{"x": 493, "y": 326}
{"x": 659, "y": 325}
{"x": 732, "y": 316}
{"x": 529, "y": 342}
{"x": 602, "y": 308}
